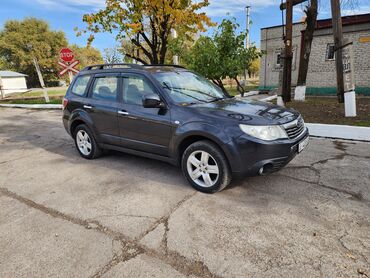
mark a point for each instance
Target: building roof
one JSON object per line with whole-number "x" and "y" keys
{"x": 326, "y": 23}
{"x": 8, "y": 73}
{"x": 346, "y": 20}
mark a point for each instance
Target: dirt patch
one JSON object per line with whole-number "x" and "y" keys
{"x": 327, "y": 110}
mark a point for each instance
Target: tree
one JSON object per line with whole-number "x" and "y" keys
{"x": 2, "y": 64}
{"x": 87, "y": 55}
{"x": 254, "y": 67}
{"x": 311, "y": 11}
{"x": 20, "y": 41}
{"x": 204, "y": 59}
{"x": 147, "y": 24}
{"x": 112, "y": 55}
{"x": 224, "y": 55}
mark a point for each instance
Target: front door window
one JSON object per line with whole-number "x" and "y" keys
{"x": 135, "y": 87}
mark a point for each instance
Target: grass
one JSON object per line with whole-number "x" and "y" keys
{"x": 40, "y": 93}
{"x": 327, "y": 110}
{"x": 53, "y": 100}
{"x": 252, "y": 86}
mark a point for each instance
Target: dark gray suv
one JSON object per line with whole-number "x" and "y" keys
{"x": 172, "y": 114}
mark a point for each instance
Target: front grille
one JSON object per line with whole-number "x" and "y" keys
{"x": 295, "y": 128}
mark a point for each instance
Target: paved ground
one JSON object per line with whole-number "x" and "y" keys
{"x": 125, "y": 216}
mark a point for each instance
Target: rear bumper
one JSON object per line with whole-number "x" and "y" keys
{"x": 249, "y": 155}
{"x": 66, "y": 124}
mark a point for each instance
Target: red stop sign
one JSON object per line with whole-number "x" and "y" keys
{"x": 66, "y": 54}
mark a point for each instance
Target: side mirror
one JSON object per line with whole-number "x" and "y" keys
{"x": 152, "y": 101}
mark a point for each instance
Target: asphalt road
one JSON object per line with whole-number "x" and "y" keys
{"x": 126, "y": 216}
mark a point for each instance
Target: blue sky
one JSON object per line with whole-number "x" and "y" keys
{"x": 67, "y": 14}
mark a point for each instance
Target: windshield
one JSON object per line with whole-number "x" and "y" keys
{"x": 188, "y": 88}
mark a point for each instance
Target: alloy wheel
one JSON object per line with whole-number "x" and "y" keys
{"x": 202, "y": 168}
{"x": 83, "y": 142}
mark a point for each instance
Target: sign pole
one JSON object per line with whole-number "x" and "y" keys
{"x": 70, "y": 75}
{"x": 41, "y": 79}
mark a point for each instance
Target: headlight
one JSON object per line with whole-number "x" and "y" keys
{"x": 268, "y": 133}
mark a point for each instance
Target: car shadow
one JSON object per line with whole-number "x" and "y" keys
{"x": 27, "y": 134}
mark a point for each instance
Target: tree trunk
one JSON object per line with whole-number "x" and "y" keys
{"x": 239, "y": 86}
{"x": 219, "y": 83}
{"x": 311, "y": 13}
{"x": 136, "y": 58}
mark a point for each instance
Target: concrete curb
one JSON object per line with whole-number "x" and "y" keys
{"x": 248, "y": 94}
{"x": 340, "y": 131}
{"x": 33, "y": 106}
{"x": 269, "y": 98}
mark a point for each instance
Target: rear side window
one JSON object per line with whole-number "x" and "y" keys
{"x": 105, "y": 88}
{"x": 79, "y": 87}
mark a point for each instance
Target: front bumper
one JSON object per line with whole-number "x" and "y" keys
{"x": 249, "y": 155}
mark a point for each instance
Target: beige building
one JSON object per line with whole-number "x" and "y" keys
{"x": 321, "y": 77}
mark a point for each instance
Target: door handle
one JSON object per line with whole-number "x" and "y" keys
{"x": 123, "y": 112}
{"x": 87, "y": 106}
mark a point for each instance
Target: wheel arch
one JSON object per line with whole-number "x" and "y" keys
{"x": 186, "y": 141}
{"x": 74, "y": 124}
{"x": 81, "y": 117}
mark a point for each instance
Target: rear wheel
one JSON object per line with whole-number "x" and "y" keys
{"x": 205, "y": 167}
{"x": 86, "y": 143}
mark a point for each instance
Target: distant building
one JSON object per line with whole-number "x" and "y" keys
{"x": 321, "y": 76}
{"x": 13, "y": 82}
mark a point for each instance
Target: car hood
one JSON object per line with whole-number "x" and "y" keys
{"x": 248, "y": 111}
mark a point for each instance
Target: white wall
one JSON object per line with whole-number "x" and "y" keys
{"x": 13, "y": 85}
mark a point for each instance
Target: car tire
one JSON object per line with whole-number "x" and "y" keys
{"x": 205, "y": 167}
{"x": 85, "y": 142}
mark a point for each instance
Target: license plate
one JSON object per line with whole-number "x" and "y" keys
{"x": 303, "y": 144}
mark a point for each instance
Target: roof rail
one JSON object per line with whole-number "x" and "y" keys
{"x": 111, "y": 66}
{"x": 164, "y": 65}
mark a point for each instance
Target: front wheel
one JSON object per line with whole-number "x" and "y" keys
{"x": 206, "y": 167}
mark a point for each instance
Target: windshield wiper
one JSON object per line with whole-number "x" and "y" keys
{"x": 216, "y": 99}
{"x": 199, "y": 92}
{"x": 181, "y": 92}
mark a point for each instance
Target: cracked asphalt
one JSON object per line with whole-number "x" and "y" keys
{"x": 126, "y": 216}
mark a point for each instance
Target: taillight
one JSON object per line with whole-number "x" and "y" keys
{"x": 65, "y": 102}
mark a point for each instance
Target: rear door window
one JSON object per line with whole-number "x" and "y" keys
{"x": 105, "y": 88}
{"x": 80, "y": 85}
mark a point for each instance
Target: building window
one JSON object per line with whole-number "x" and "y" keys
{"x": 278, "y": 59}
{"x": 330, "y": 53}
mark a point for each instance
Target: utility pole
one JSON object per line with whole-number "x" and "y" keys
{"x": 247, "y": 27}
{"x": 2, "y": 89}
{"x": 287, "y": 53}
{"x": 175, "y": 57}
{"x": 338, "y": 46}
{"x": 247, "y": 9}
{"x": 39, "y": 74}
{"x": 138, "y": 50}
{"x": 288, "y": 56}
{"x": 35, "y": 62}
